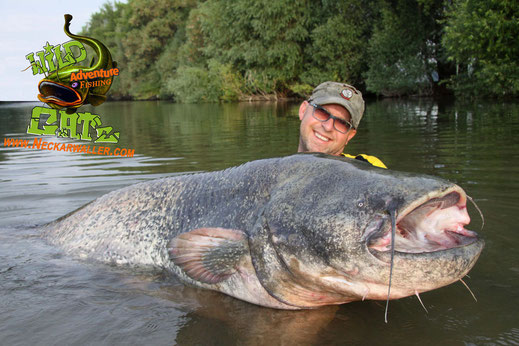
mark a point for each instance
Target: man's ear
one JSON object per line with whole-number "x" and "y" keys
{"x": 351, "y": 134}
{"x": 302, "y": 110}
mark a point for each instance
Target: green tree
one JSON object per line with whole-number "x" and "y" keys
{"x": 260, "y": 39}
{"x": 482, "y": 38}
{"x": 108, "y": 26}
{"x": 144, "y": 40}
{"x": 155, "y": 30}
{"x": 196, "y": 84}
{"x": 228, "y": 50}
{"x": 338, "y": 49}
{"x": 405, "y": 48}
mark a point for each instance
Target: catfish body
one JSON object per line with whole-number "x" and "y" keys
{"x": 295, "y": 232}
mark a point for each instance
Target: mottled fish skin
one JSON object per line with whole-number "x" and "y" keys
{"x": 134, "y": 224}
{"x": 285, "y": 232}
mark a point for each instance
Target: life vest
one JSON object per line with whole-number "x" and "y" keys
{"x": 374, "y": 161}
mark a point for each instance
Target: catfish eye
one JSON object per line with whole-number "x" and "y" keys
{"x": 74, "y": 85}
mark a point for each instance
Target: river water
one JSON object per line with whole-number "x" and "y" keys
{"x": 47, "y": 298}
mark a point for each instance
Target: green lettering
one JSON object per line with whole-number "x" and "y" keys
{"x": 33, "y": 128}
{"x": 48, "y": 128}
{"x": 42, "y": 59}
{"x": 87, "y": 119}
{"x": 102, "y": 135}
{"x": 69, "y": 57}
{"x": 68, "y": 125}
{"x": 57, "y": 54}
{"x": 36, "y": 65}
{"x": 49, "y": 57}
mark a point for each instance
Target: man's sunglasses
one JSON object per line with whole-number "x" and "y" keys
{"x": 323, "y": 115}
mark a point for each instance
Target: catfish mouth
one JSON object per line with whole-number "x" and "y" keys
{"x": 59, "y": 94}
{"x": 434, "y": 225}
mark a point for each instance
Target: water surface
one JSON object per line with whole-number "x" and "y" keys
{"x": 48, "y": 298}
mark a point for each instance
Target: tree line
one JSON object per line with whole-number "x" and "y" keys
{"x": 220, "y": 50}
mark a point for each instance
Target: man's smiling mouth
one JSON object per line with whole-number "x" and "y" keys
{"x": 321, "y": 137}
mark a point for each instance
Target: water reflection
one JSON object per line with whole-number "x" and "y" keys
{"x": 55, "y": 299}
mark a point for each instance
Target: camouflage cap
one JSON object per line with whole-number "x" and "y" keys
{"x": 342, "y": 94}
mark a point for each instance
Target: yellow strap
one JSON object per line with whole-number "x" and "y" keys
{"x": 371, "y": 159}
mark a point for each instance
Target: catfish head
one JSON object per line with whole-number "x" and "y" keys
{"x": 325, "y": 234}
{"x": 58, "y": 91}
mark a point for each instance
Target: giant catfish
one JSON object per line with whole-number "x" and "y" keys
{"x": 294, "y": 232}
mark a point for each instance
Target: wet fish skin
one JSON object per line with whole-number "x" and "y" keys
{"x": 289, "y": 233}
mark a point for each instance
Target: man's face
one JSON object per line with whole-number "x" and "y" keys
{"x": 317, "y": 136}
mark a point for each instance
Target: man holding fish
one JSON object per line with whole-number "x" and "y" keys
{"x": 329, "y": 120}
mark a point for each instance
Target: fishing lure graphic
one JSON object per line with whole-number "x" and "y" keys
{"x": 58, "y": 90}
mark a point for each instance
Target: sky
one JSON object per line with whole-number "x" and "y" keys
{"x": 25, "y": 27}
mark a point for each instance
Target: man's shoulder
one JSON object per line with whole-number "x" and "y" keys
{"x": 373, "y": 160}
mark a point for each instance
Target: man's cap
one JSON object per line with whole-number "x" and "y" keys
{"x": 342, "y": 94}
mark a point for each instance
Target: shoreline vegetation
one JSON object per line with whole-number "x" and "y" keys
{"x": 257, "y": 50}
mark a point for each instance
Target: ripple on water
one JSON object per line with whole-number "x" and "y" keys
{"x": 47, "y": 298}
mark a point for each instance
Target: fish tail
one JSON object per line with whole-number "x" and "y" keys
{"x": 104, "y": 59}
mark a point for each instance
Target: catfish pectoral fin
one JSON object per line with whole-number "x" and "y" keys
{"x": 208, "y": 255}
{"x": 95, "y": 100}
